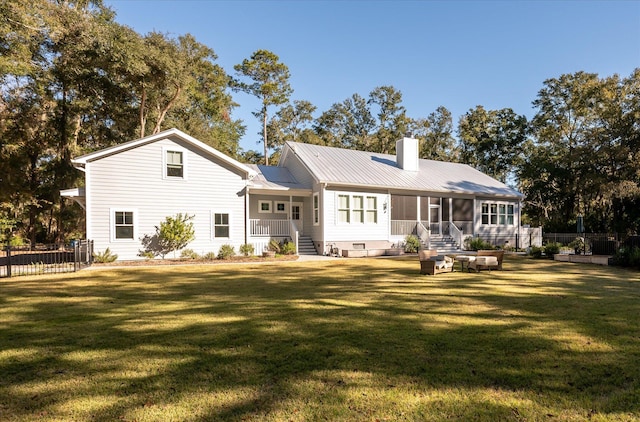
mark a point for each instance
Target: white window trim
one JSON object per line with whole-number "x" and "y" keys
{"x": 261, "y": 211}
{"x": 338, "y": 209}
{"x": 364, "y": 210}
{"x": 275, "y": 207}
{"x": 353, "y": 210}
{"x": 185, "y": 166}
{"x": 497, "y": 214}
{"x": 112, "y": 224}
{"x": 316, "y": 210}
{"x": 213, "y": 223}
{"x": 367, "y": 209}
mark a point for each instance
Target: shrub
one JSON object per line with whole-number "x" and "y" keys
{"x": 476, "y": 244}
{"x": 146, "y": 254}
{"x": 274, "y": 245}
{"x": 226, "y": 252}
{"x": 627, "y": 257}
{"x": 552, "y": 248}
{"x": 189, "y": 254}
{"x": 17, "y": 240}
{"x": 577, "y": 244}
{"x": 535, "y": 251}
{"x": 246, "y": 249}
{"x": 411, "y": 244}
{"x": 210, "y": 256}
{"x": 172, "y": 234}
{"x": 288, "y": 248}
{"x": 104, "y": 257}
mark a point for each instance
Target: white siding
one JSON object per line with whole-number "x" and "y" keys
{"x": 134, "y": 179}
{"x": 356, "y": 232}
{"x": 297, "y": 169}
{"x": 496, "y": 233}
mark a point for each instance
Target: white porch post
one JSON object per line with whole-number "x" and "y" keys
{"x": 247, "y": 224}
{"x": 475, "y": 217}
{"x": 450, "y": 212}
{"x": 440, "y": 214}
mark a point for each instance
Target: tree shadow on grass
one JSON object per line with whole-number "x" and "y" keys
{"x": 257, "y": 341}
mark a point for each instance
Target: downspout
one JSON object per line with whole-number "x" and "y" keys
{"x": 388, "y": 210}
{"x": 87, "y": 197}
{"x": 323, "y": 219}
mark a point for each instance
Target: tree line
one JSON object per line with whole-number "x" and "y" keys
{"x": 73, "y": 80}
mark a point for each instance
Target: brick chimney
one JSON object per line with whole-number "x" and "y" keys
{"x": 407, "y": 154}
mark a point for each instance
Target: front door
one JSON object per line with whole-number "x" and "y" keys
{"x": 434, "y": 219}
{"x": 296, "y": 215}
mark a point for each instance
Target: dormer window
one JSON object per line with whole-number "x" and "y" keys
{"x": 175, "y": 165}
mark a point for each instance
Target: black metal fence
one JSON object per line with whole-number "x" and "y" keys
{"x": 589, "y": 243}
{"x": 45, "y": 259}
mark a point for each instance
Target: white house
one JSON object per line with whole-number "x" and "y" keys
{"x": 318, "y": 196}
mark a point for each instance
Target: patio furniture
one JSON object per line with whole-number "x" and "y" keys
{"x": 431, "y": 263}
{"x": 464, "y": 259}
{"x": 487, "y": 260}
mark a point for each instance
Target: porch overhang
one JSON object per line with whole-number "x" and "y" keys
{"x": 76, "y": 194}
{"x": 261, "y": 190}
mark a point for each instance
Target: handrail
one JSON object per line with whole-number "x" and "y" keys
{"x": 457, "y": 234}
{"x": 423, "y": 234}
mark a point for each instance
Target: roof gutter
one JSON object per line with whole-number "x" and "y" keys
{"x": 389, "y": 188}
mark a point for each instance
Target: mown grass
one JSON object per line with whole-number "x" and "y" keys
{"x": 358, "y": 339}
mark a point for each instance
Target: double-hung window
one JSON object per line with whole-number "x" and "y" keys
{"x": 123, "y": 225}
{"x": 358, "y": 209}
{"x": 510, "y": 215}
{"x": 502, "y": 214}
{"x": 175, "y": 164}
{"x": 372, "y": 210}
{"x": 220, "y": 225}
{"x": 316, "y": 209}
{"x": 343, "y": 209}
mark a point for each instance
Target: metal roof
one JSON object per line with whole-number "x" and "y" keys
{"x": 341, "y": 166}
{"x": 275, "y": 178}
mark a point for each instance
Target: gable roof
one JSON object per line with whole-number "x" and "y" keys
{"x": 87, "y": 158}
{"x": 339, "y": 166}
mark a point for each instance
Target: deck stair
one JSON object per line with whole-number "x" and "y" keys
{"x": 305, "y": 246}
{"x": 443, "y": 244}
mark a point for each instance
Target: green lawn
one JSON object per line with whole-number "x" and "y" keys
{"x": 352, "y": 339}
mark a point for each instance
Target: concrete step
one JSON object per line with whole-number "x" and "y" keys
{"x": 305, "y": 246}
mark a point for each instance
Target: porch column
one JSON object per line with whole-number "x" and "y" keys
{"x": 418, "y": 216}
{"x": 450, "y": 211}
{"x": 475, "y": 205}
{"x": 247, "y": 224}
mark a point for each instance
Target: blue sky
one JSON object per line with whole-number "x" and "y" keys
{"x": 458, "y": 54}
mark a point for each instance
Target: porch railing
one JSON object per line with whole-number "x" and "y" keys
{"x": 269, "y": 228}
{"x": 456, "y": 234}
{"x": 466, "y": 226}
{"x": 403, "y": 227}
{"x": 423, "y": 235}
